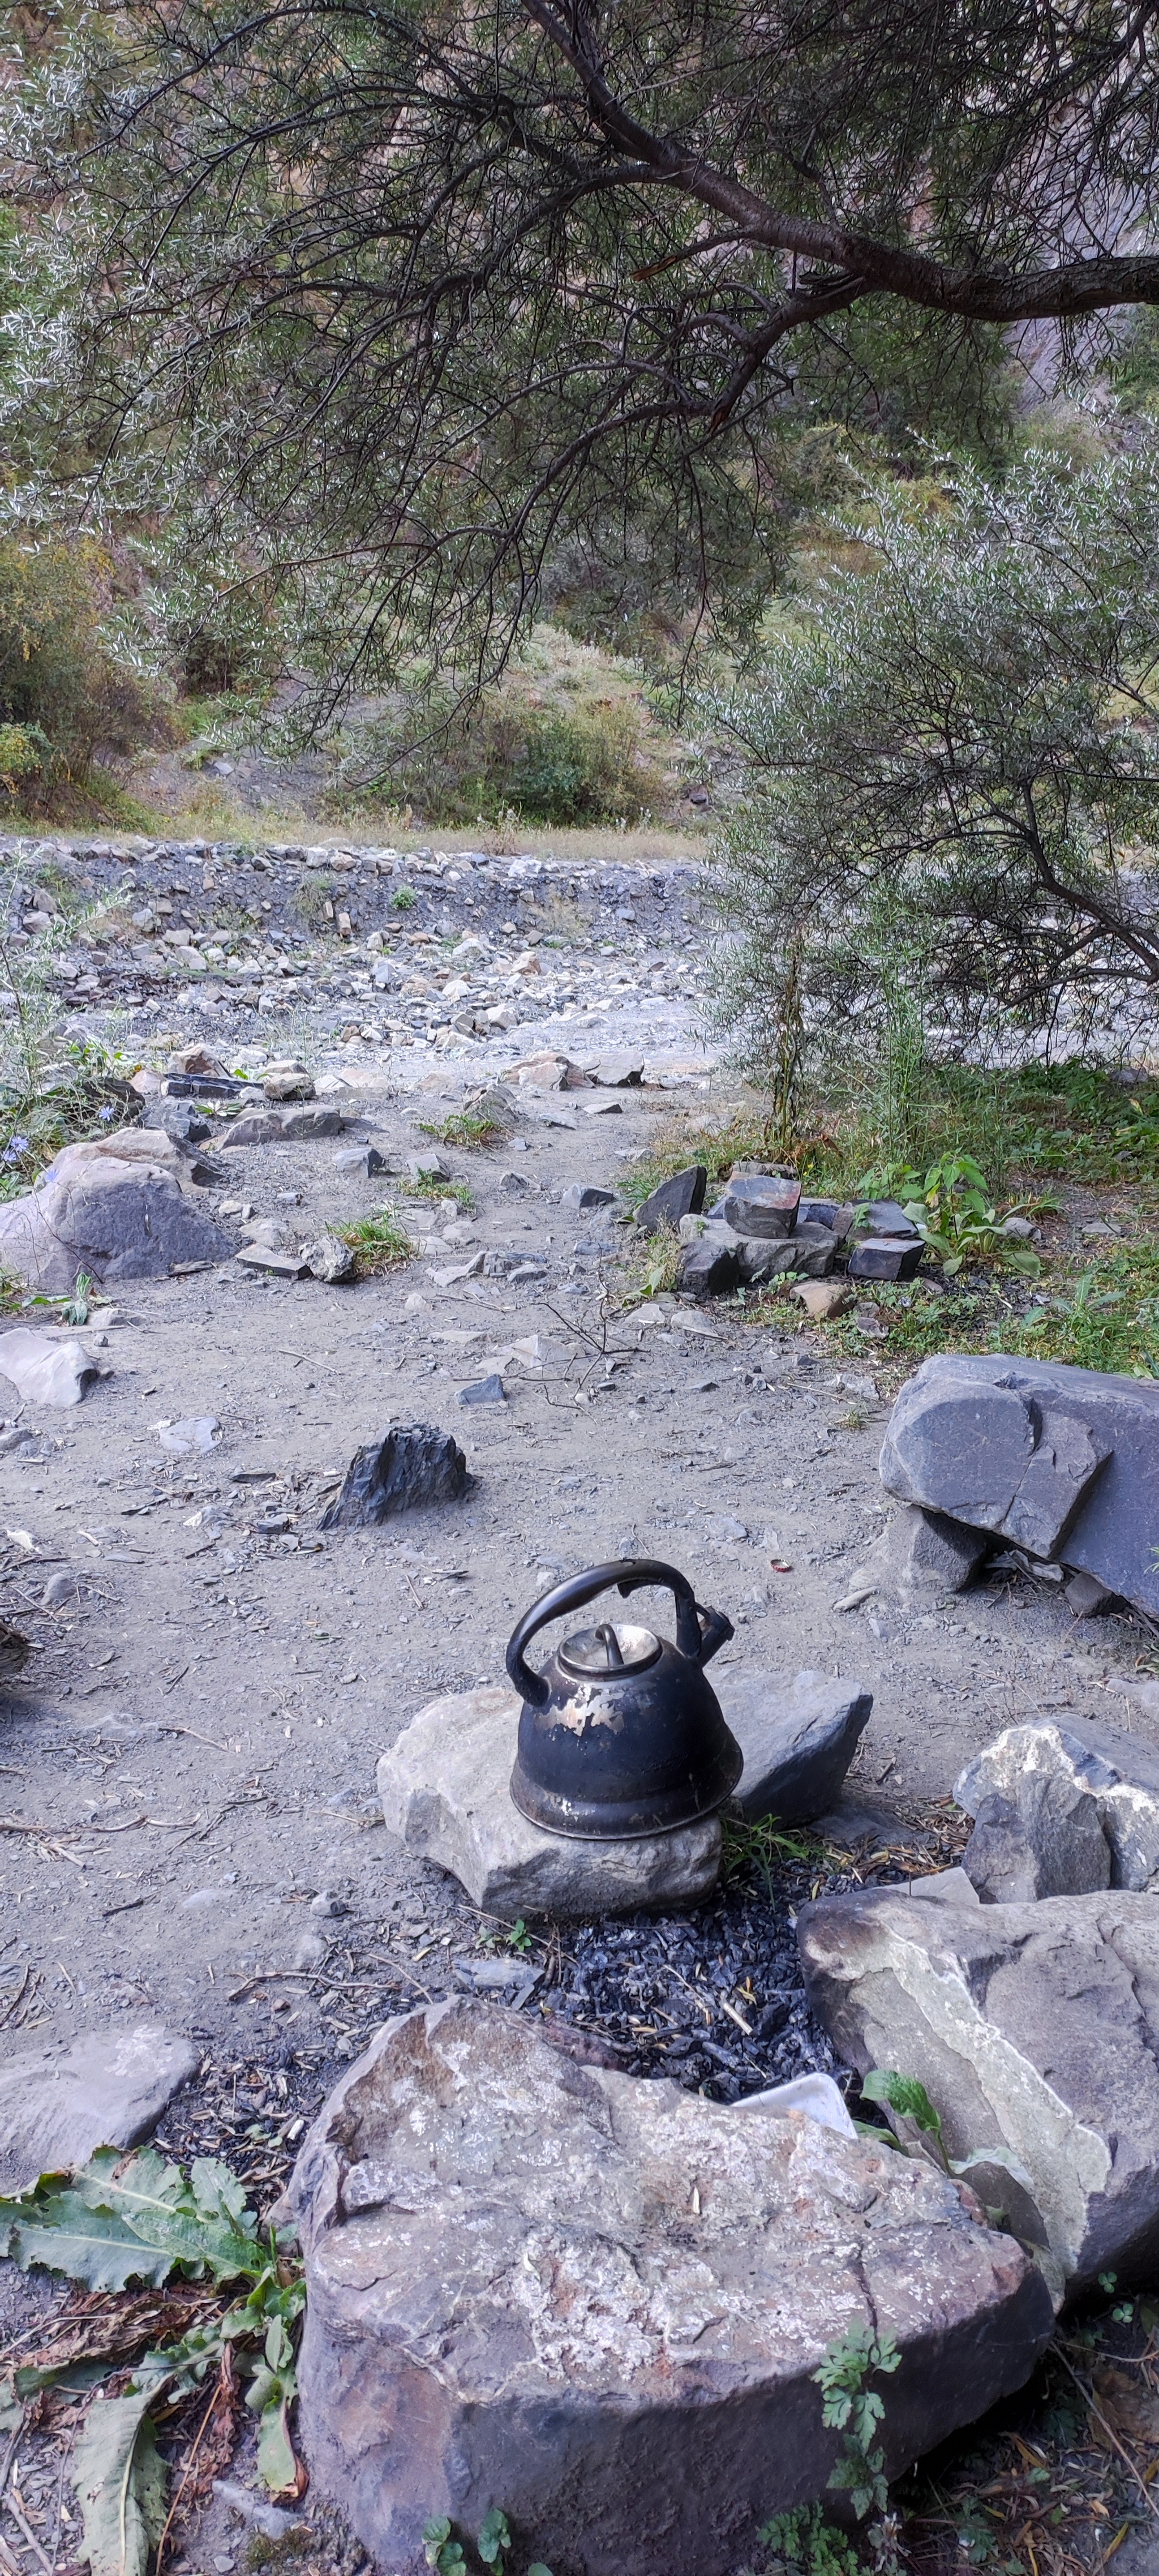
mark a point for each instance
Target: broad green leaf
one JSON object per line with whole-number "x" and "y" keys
{"x": 903, "y": 2094}
{"x": 120, "y": 2485}
{"x": 133, "y": 2218}
{"x": 195, "y": 2224}
{"x": 277, "y": 2465}
{"x": 494, "y": 2536}
{"x": 65, "y": 2234}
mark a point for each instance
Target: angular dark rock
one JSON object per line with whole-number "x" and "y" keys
{"x": 886, "y": 1217}
{"x": 798, "y": 1740}
{"x": 886, "y": 1256}
{"x": 920, "y": 1551}
{"x": 602, "y": 2301}
{"x": 1035, "y": 2029}
{"x": 483, "y": 1390}
{"x": 176, "y": 1118}
{"x": 361, "y": 1158}
{"x": 709, "y": 1268}
{"x": 762, "y": 1204}
{"x": 683, "y": 1195}
{"x": 406, "y": 1472}
{"x": 584, "y": 1194}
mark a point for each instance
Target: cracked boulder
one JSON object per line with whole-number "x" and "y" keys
{"x": 1083, "y": 1810}
{"x": 601, "y": 2300}
{"x": 1061, "y": 1462}
{"x": 1035, "y": 2030}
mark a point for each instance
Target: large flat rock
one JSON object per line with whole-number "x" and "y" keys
{"x": 59, "y": 2104}
{"x": 1063, "y": 1462}
{"x": 446, "y": 1791}
{"x": 1034, "y": 2028}
{"x": 599, "y": 2301}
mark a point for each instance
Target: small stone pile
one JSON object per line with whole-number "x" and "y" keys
{"x": 761, "y": 1229}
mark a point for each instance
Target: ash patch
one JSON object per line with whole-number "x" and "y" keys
{"x": 713, "y": 1997}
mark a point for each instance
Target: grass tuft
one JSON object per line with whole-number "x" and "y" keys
{"x": 379, "y": 1242}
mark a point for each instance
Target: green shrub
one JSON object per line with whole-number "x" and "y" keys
{"x": 62, "y": 692}
{"x": 515, "y": 755}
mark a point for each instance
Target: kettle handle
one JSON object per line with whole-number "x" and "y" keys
{"x": 699, "y": 1632}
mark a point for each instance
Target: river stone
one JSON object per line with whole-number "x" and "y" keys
{"x": 798, "y": 1741}
{"x": 1063, "y": 1462}
{"x": 1118, "y": 1773}
{"x": 600, "y": 2301}
{"x": 1034, "y": 2028}
{"x": 446, "y": 1791}
{"x": 115, "y": 1217}
{"x": 60, "y": 2103}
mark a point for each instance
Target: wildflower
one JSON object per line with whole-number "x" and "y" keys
{"x": 106, "y": 1113}
{"x": 17, "y": 1145}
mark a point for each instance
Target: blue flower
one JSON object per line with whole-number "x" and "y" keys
{"x": 18, "y": 1145}
{"x": 106, "y": 1113}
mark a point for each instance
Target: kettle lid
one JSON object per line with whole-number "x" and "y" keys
{"x": 611, "y": 1649}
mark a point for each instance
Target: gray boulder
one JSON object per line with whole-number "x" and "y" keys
{"x": 329, "y": 1259}
{"x": 797, "y": 1742}
{"x": 407, "y": 1471}
{"x": 601, "y": 2301}
{"x": 1116, "y": 1772}
{"x": 446, "y": 1792}
{"x": 59, "y": 2104}
{"x": 1062, "y": 1462}
{"x": 1035, "y": 2030}
{"x": 115, "y": 1217}
{"x": 683, "y": 1195}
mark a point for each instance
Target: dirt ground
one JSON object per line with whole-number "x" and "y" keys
{"x": 189, "y": 1825}
{"x": 189, "y": 1759}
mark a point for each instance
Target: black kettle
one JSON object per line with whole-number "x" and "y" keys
{"x": 621, "y": 1735}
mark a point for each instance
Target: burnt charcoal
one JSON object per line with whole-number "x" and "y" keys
{"x": 403, "y": 1473}
{"x": 657, "y": 1985}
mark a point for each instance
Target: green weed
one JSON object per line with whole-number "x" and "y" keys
{"x": 464, "y": 1128}
{"x": 378, "y": 1241}
{"x": 427, "y": 1185}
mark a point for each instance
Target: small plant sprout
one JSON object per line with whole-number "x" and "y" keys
{"x": 851, "y": 2408}
{"x": 494, "y": 2537}
{"x": 909, "y": 2099}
